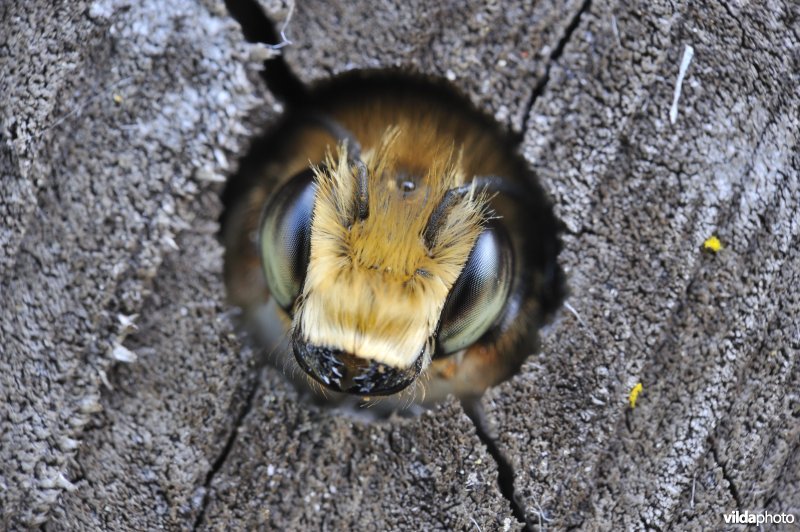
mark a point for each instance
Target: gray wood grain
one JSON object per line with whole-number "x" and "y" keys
{"x": 128, "y": 402}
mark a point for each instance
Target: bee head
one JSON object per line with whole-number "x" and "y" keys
{"x": 381, "y": 273}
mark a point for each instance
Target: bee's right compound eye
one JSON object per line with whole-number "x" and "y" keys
{"x": 480, "y": 294}
{"x": 284, "y": 237}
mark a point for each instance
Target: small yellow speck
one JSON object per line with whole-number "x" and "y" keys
{"x": 712, "y": 243}
{"x": 634, "y": 395}
{"x": 117, "y": 98}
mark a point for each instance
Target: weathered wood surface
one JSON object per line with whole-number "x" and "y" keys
{"x": 119, "y": 118}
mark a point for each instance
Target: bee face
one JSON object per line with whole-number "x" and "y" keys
{"x": 391, "y": 255}
{"x": 374, "y": 285}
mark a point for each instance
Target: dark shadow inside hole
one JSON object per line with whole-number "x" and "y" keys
{"x": 358, "y": 107}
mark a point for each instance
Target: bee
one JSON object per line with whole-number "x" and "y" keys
{"x": 391, "y": 234}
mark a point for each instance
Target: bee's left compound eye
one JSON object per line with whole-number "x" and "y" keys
{"x": 284, "y": 237}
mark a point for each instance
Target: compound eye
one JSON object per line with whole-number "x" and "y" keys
{"x": 480, "y": 293}
{"x": 284, "y": 237}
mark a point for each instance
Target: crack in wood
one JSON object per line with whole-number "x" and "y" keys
{"x": 555, "y": 55}
{"x": 226, "y": 450}
{"x": 505, "y": 471}
{"x": 257, "y": 27}
{"x": 734, "y": 491}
